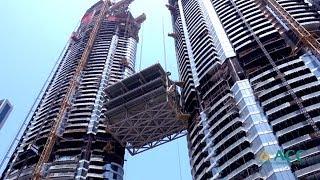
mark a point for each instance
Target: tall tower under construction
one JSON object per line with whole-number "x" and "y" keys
{"x": 250, "y": 73}
{"x": 65, "y": 138}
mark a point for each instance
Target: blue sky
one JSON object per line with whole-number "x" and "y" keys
{"x": 32, "y": 35}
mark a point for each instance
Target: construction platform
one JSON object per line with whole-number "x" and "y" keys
{"x": 143, "y": 110}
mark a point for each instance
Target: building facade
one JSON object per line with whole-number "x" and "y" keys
{"x": 251, "y": 86}
{"x": 5, "y": 109}
{"x": 83, "y": 149}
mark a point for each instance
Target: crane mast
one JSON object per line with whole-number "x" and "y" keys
{"x": 107, "y": 7}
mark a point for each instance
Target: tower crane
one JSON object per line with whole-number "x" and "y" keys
{"x": 107, "y": 7}
{"x": 307, "y": 40}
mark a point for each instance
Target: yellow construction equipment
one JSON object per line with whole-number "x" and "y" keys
{"x": 45, "y": 155}
{"x": 306, "y": 39}
{"x": 107, "y": 7}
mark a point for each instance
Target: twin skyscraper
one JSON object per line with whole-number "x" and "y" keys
{"x": 249, "y": 98}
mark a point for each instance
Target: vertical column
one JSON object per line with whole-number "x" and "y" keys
{"x": 100, "y": 97}
{"x": 187, "y": 40}
{"x": 260, "y": 134}
{"x": 83, "y": 165}
{"x": 220, "y": 38}
{"x": 130, "y": 55}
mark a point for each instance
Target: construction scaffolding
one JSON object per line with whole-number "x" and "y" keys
{"x": 107, "y": 7}
{"x": 144, "y": 111}
{"x": 308, "y": 42}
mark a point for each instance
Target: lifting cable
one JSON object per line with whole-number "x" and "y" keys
{"x": 164, "y": 47}
{"x": 32, "y": 110}
{"x": 179, "y": 160}
{"x": 37, "y": 101}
